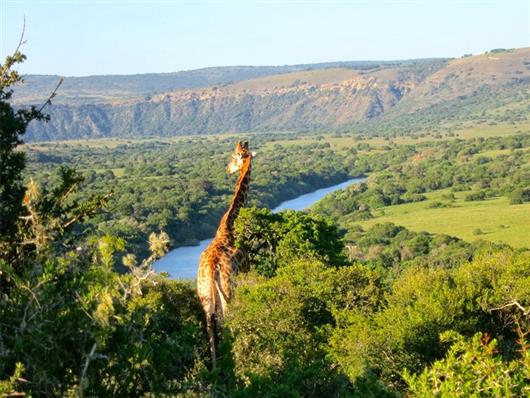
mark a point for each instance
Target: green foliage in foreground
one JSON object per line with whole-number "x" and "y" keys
{"x": 69, "y": 324}
{"x": 425, "y": 302}
{"x": 73, "y": 326}
{"x": 13, "y": 124}
{"x": 280, "y": 327}
{"x": 315, "y": 330}
{"x": 474, "y": 368}
{"x": 78, "y": 328}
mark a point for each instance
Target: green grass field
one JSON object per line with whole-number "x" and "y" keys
{"x": 495, "y": 218}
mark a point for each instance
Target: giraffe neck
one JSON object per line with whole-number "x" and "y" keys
{"x": 239, "y": 200}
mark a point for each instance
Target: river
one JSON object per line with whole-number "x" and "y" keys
{"x": 182, "y": 262}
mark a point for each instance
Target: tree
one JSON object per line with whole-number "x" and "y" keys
{"x": 13, "y": 124}
{"x": 70, "y": 325}
{"x": 273, "y": 240}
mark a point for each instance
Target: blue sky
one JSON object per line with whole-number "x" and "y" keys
{"x": 81, "y": 37}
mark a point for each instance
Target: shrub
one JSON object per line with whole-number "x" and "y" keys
{"x": 473, "y": 367}
{"x": 475, "y": 196}
{"x": 519, "y": 196}
{"x": 274, "y": 240}
{"x": 425, "y": 302}
{"x": 279, "y": 327}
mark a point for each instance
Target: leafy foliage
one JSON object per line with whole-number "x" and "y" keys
{"x": 13, "y": 124}
{"x": 473, "y": 368}
{"x": 70, "y": 324}
{"x": 279, "y": 327}
{"x": 274, "y": 240}
{"x": 424, "y": 302}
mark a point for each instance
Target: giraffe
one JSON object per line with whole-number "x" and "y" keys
{"x": 221, "y": 258}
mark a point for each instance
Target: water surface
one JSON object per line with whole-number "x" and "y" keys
{"x": 182, "y": 262}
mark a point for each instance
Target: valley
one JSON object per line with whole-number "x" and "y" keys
{"x": 413, "y": 278}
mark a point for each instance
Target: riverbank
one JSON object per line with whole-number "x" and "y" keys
{"x": 182, "y": 262}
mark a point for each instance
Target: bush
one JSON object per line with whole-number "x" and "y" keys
{"x": 422, "y": 304}
{"x": 473, "y": 367}
{"x": 475, "y": 196}
{"x": 276, "y": 239}
{"x": 436, "y": 205}
{"x": 78, "y": 326}
{"x": 519, "y": 196}
{"x": 278, "y": 327}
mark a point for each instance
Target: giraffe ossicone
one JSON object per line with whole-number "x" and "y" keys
{"x": 222, "y": 259}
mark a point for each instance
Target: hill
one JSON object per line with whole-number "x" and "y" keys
{"x": 104, "y": 88}
{"x": 399, "y": 97}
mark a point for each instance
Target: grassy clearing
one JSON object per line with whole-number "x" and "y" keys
{"x": 497, "y": 220}
{"x": 486, "y": 130}
{"x": 348, "y": 142}
{"x": 498, "y": 152}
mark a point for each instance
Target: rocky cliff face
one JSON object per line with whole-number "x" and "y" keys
{"x": 306, "y": 100}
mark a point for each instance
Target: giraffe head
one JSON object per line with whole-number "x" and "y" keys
{"x": 241, "y": 153}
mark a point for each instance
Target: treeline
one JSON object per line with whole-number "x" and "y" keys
{"x": 406, "y": 173}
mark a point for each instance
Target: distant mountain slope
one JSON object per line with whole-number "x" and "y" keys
{"x": 492, "y": 87}
{"x": 90, "y": 89}
{"x": 468, "y": 76}
{"x": 392, "y": 95}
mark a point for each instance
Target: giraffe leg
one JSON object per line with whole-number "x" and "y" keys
{"x": 213, "y": 338}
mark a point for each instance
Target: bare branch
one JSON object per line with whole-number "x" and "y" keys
{"x": 88, "y": 359}
{"x": 513, "y": 303}
{"x": 21, "y": 40}
{"x": 52, "y": 95}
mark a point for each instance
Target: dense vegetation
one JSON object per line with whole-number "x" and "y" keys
{"x": 183, "y": 188}
{"x": 385, "y": 312}
{"x": 452, "y": 167}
